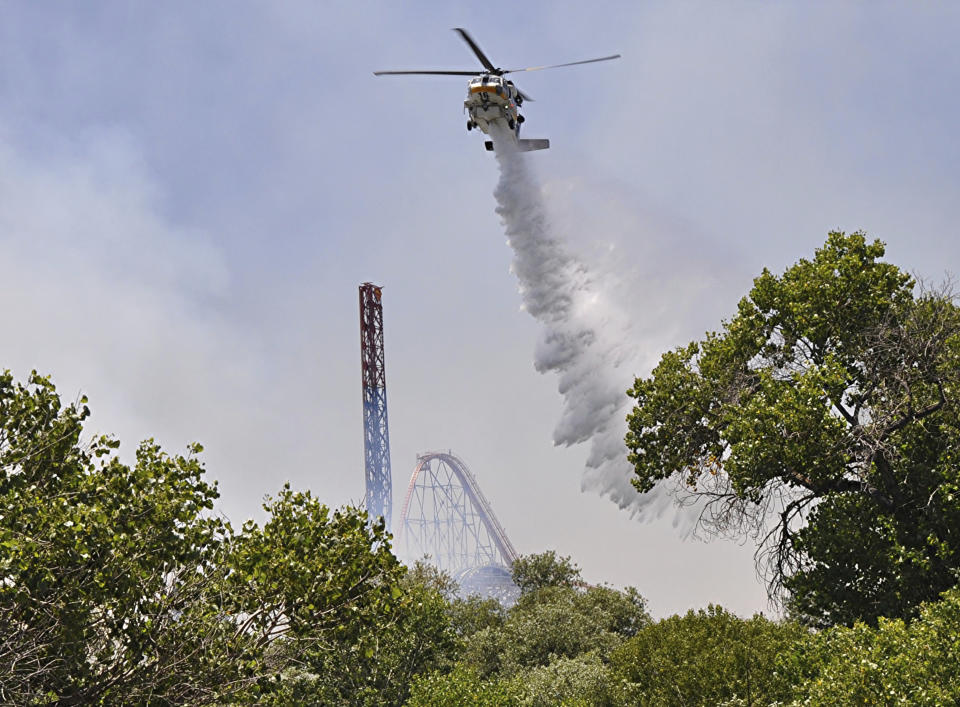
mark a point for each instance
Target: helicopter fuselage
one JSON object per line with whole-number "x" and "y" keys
{"x": 492, "y": 98}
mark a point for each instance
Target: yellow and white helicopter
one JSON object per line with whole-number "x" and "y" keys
{"x": 492, "y": 99}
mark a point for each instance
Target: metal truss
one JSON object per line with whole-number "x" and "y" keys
{"x": 376, "y": 436}
{"x": 446, "y": 517}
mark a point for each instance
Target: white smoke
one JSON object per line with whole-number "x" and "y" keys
{"x": 585, "y": 338}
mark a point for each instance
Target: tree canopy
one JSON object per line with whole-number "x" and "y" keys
{"x": 551, "y": 647}
{"x": 710, "y": 657}
{"x": 545, "y": 569}
{"x": 119, "y": 586}
{"x": 823, "y": 420}
{"x": 98, "y": 558}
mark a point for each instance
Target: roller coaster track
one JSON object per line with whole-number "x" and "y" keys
{"x": 446, "y": 516}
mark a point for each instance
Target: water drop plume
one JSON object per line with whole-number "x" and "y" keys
{"x": 584, "y": 338}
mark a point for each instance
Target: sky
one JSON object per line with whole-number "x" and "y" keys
{"x": 190, "y": 194}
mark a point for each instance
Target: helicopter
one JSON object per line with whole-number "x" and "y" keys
{"x": 493, "y": 101}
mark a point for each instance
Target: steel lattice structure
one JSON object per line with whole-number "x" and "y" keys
{"x": 446, "y": 516}
{"x": 376, "y": 436}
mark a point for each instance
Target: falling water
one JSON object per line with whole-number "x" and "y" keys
{"x": 584, "y": 339}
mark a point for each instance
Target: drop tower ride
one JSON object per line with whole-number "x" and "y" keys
{"x": 376, "y": 436}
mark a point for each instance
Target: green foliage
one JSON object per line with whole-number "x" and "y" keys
{"x": 308, "y": 569}
{"x": 556, "y": 622}
{"x": 117, "y": 586}
{"x": 828, "y": 404}
{"x": 471, "y": 614}
{"x": 709, "y": 657}
{"x": 352, "y": 625}
{"x": 712, "y": 657}
{"x": 378, "y": 665}
{"x": 324, "y": 588}
{"x": 106, "y": 568}
{"x": 894, "y": 663}
{"x": 426, "y": 575}
{"x": 551, "y": 647}
{"x": 545, "y": 569}
{"x": 464, "y": 686}
{"x": 583, "y": 681}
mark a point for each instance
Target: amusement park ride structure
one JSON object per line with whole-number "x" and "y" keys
{"x": 376, "y": 435}
{"x": 445, "y": 517}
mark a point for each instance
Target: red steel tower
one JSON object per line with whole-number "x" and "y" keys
{"x": 376, "y": 437}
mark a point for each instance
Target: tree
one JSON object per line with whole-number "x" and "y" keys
{"x": 709, "y": 657}
{"x": 473, "y": 613}
{"x": 584, "y": 681}
{"x": 823, "y": 421}
{"x": 551, "y": 648}
{"x": 117, "y": 585}
{"x": 545, "y": 569}
{"x": 896, "y": 662}
{"x": 322, "y": 593}
{"x": 555, "y": 622}
{"x": 109, "y": 572}
{"x": 464, "y": 686}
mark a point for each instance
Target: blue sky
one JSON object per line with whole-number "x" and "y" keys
{"x": 191, "y": 192}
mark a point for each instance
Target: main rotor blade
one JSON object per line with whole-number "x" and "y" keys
{"x": 487, "y": 64}
{"x": 430, "y": 73}
{"x": 557, "y": 66}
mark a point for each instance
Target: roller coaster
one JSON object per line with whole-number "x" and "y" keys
{"x": 447, "y": 518}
